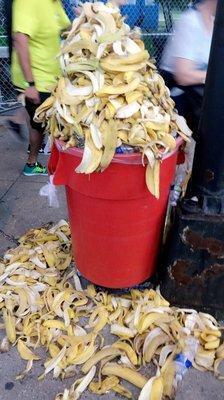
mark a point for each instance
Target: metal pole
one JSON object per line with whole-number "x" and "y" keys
{"x": 207, "y": 181}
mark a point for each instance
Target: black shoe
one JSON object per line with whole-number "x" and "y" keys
{"x": 41, "y": 150}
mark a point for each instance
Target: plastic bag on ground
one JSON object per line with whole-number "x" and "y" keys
{"x": 49, "y": 190}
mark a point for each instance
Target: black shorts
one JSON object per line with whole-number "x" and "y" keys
{"x": 189, "y": 103}
{"x": 31, "y": 109}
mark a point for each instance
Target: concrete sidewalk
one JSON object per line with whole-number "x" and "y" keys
{"x": 21, "y": 208}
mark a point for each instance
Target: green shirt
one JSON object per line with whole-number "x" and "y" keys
{"x": 42, "y": 21}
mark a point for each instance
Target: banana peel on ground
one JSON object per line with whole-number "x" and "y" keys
{"x": 44, "y": 305}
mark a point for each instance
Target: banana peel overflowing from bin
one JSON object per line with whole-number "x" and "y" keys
{"x": 110, "y": 94}
{"x": 44, "y": 305}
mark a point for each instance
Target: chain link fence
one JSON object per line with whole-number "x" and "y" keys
{"x": 155, "y": 18}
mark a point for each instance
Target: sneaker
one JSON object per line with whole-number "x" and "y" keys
{"x": 35, "y": 170}
{"x": 41, "y": 150}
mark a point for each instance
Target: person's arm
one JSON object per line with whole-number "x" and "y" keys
{"x": 185, "y": 51}
{"x": 186, "y": 73}
{"x": 21, "y": 44}
{"x": 24, "y": 27}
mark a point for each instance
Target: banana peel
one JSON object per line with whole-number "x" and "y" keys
{"x": 128, "y": 374}
{"x": 70, "y": 322}
{"x": 9, "y": 322}
{"x": 151, "y": 319}
{"x": 104, "y": 353}
{"x": 104, "y": 386}
{"x": 153, "y": 178}
{"x": 92, "y": 157}
{"x": 150, "y": 348}
{"x": 128, "y": 350}
{"x": 121, "y": 89}
{"x": 25, "y": 353}
{"x": 127, "y": 60}
{"x": 109, "y": 143}
{"x": 153, "y": 389}
{"x": 108, "y": 76}
{"x": 122, "y": 391}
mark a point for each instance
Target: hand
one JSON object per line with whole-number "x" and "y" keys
{"x": 32, "y": 94}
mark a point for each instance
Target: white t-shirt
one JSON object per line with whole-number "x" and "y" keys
{"x": 191, "y": 40}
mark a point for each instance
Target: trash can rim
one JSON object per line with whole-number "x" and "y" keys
{"x": 135, "y": 158}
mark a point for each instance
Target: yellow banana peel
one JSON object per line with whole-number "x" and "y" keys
{"x": 107, "y": 77}
{"x": 104, "y": 353}
{"x": 129, "y": 351}
{"x": 25, "y": 353}
{"x": 125, "y": 373}
{"x": 104, "y": 386}
{"x": 153, "y": 389}
{"x": 71, "y": 323}
{"x": 9, "y": 321}
{"x": 153, "y": 178}
{"x": 122, "y": 391}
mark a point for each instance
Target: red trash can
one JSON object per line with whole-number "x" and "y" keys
{"x": 116, "y": 224}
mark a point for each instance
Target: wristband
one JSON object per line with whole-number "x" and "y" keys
{"x": 30, "y": 84}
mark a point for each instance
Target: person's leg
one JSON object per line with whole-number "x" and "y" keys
{"x": 195, "y": 96}
{"x": 35, "y": 133}
{"x": 36, "y": 137}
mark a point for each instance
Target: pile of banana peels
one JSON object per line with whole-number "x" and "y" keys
{"x": 111, "y": 95}
{"x": 43, "y": 305}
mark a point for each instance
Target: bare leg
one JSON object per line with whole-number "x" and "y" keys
{"x": 36, "y": 138}
{"x": 21, "y": 116}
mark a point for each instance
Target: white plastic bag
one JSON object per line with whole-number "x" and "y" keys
{"x": 49, "y": 190}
